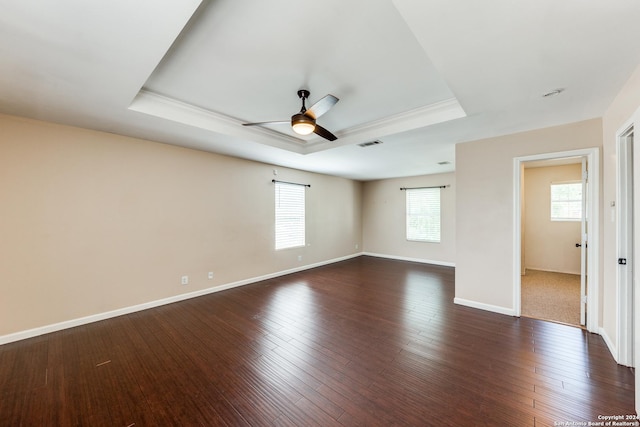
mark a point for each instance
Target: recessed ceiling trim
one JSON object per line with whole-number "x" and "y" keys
{"x": 161, "y": 106}
{"x": 428, "y": 115}
{"x": 157, "y": 105}
{"x": 442, "y": 111}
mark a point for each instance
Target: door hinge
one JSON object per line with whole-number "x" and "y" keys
{"x": 622, "y": 261}
{"x": 583, "y": 299}
{"x": 585, "y": 175}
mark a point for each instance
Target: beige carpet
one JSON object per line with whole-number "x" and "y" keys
{"x": 551, "y": 296}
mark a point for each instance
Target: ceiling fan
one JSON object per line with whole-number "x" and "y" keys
{"x": 304, "y": 122}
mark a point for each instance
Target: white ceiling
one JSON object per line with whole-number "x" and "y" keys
{"x": 418, "y": 75}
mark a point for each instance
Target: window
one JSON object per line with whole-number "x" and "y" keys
{"x": 423, "y": 214}
{"x": 290, "y": 221}
{"x": 566, "y": 201}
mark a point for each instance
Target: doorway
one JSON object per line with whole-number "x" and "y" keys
{"x": 552, "y": 249}
{"x": 589, "y": 236}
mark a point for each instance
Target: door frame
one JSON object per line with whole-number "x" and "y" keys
{"x": 593, "y": 232}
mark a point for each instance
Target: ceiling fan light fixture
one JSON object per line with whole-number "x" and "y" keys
{"x": 304, "y": 122}
{"x": 302, "y": 125}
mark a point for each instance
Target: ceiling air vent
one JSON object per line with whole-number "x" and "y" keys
{"x": 553, "y": 93}
{"x": 369, "y": 144}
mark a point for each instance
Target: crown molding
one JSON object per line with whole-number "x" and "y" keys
{"x": 416, "y": 118}
{"x": 167, "y": 108}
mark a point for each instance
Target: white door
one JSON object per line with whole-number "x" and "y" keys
{"x": 635, "y": 263}
{"x": 583, "y": 245}
{"x": 625, "y": 248}
{"x": 628, "y": 238}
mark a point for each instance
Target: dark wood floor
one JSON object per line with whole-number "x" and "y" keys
{"x": 362, "y": 342}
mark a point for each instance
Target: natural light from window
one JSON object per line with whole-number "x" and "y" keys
{"x": 566, "y": 201}
{"x": 290, "y": 215}
{"x": 423, "y": 214}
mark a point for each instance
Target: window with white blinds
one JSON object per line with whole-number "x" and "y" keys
{"x": 290, "y": 215}
{"x": 566, "y": 201}
{"x": 423, "y": 214}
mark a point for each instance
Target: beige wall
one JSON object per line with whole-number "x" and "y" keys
{"x": 92, "y": 222}
{"x": 620, "y": 111}
{"x": 384, "y": 212}
{"x": 549, "y": 245}
{"x": 485, "y": 204}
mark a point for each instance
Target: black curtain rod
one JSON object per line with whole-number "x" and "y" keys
{"x": 292, "y": 183}
{"x": 417, "y": 188}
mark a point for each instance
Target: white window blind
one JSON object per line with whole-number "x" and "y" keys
{"x": 566, "y": 201}
{"x": 290, "y": 215}
{"x": 423, "y": 214}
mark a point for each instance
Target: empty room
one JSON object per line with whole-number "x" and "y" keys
{"x": 280, "y": 213}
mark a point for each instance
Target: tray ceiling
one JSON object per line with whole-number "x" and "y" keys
{"x": 419, "y": 76}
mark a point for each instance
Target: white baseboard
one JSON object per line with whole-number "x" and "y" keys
{"x": 420, "y": 260}
{"x": 483, "y": 306}
{"x": 546, "y": 270}
{"x": 612, "y": 348}
{"x": 30, "y": 333}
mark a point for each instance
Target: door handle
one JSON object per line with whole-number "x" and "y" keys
{"x": 578, "y": 245}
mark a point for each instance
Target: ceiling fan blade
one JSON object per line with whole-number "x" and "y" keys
{"x": 321, "y": 107}
{"x": 319, "y": 130}
{"x": 267, "y": 123}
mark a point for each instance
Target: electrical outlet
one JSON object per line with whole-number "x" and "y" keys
{"x": 299, "y": 257}
{"x": 210, "y": 275}
{"x": 184, "y": 280}
{"x": 356, "y": 246}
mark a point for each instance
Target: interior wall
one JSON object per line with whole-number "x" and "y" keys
{"x": 485, "y": 205}
{"x": 384, "y": 219}
{"x": 549, "y": 245}
{"x": 619, "y": 112}
{"x": 92, "y": 222}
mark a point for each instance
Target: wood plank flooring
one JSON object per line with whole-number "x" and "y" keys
{"x": 366, "y": 341}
